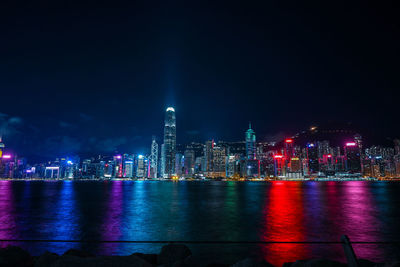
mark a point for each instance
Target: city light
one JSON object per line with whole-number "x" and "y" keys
{"x": 351, "y": 144}
{"x": 170, "y": 109}
{"x": 7, "y": 156}
{"x": 278, "y": 156}
{"x": 288, "y": 141}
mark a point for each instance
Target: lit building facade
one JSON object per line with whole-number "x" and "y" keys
{"x": 169, "y": 143}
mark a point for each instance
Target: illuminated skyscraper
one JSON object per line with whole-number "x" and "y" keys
{"x": 169, "y": 142}
{"x": 250, "y": 143}
{"x": 153, "y": 158}
{"x": 252, "y": 165}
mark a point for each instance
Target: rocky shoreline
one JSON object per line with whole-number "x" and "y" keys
{"x": 172, "y": 255}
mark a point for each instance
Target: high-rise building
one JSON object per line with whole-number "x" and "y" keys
{"x": 153, "y": 158}
{"x": 352, "y": 154}
{"x": 208, "y": 153}
{"x": 323, "y": 148}
{"x": 162, "y": 164}
{"x": 219, "y": 161}
{"x": 250, "y": 143}
{"x": 179, "y": 164}
{"x": 169, "y": 142}
{"x": 312, "y": 158}
{"x": 189, "y": 162}
{"x": 141, "y": 166}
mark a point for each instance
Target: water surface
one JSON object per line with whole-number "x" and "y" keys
{"x": 204, "y": 211}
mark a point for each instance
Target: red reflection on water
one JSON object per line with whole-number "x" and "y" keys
{"x": 284, "y": 222}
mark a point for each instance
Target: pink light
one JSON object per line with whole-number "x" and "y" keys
{"x": 329, "y": 156}
{"x": 6, "y": 156}
{"x": 118, "y": 157}
{"x": 351, "y": 144}
{"x": 289, "y": 141}
{"x": 278, "y": 156}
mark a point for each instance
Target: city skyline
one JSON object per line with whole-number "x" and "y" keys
{"x": 315, "y": 153}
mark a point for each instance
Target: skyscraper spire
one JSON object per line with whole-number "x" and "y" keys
{"x": 249, "y": 124}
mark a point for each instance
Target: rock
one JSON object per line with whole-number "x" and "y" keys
{"x": 390, "y": 264}
{"x": 78, "y": 253}
{"x": 104, "y": 261}
{"x": 188, "y": 262}
{"x": 366, "y": 263}
{"x": 172, "y": 253}
{"x": 150, "y": 258}
{"x": 317, "y": 263}
{"x": 12, "y": 256}
{"x": 46, "y": 260}
{"x": 251, "y": 262}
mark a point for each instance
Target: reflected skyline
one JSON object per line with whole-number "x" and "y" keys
{"x": 203, "y": 211}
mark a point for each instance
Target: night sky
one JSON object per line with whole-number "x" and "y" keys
{"x": 97, "y": 77}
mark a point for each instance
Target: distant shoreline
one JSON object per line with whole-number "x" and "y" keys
{"x": 336, "y": 179}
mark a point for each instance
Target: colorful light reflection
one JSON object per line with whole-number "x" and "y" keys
{"x": 284, "y": 222}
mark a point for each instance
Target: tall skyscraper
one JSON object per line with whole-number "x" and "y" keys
{"x": 250, "y": 143}
{"x": 169, "y": 142}
{"x": 153, "y": 158}
{"x": 252, "y": 164}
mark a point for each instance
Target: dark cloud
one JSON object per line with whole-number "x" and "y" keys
{"x": 64, "y": 124}
{"x": 62, "y": 145}
{"x": 85, "y": 117}
{"x": 10, "y": 125}
{"x": 110, "y": 144}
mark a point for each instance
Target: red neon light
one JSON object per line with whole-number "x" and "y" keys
{"x": 278, "y": 156}
{"x": 329, "y": 156}
{"x": 288, "y": 141}
{"x": 351, "y": 144}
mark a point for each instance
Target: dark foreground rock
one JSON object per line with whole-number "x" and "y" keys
{"x": 104, "y": 261}
{"x": 315, "y": 263}
{"x": 172, "y": 253}
{"x": 251, "y": 262}
{"x": 78, "y": 253}
{"x": 150, "y": 258}
{"x": 12, "y": 256}
{"x": 46, "y": 260}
